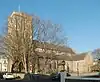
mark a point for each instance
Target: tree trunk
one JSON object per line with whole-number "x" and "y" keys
{"x": 12, "y": 68}
{"x": 57, "y": 66}
{"x": 33, "y": 68}
{"x": 37, "y": 64}
{"x": 20, "y": 67}
{"x": 25, "y": 68}
{"x": 13, "y": 65}
{"x": 26, "y": 63}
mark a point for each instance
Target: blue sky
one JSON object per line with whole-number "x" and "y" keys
{"x": 80, "y": 18}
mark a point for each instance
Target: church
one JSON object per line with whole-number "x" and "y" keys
{"x": 58, "y": 57}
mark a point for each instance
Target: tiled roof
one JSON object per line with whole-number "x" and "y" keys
{"x": 79, "y": 57}
{"x": 54, "y": 47}
{"x": 63, "y": 57}
{"x": 71, "y": 58}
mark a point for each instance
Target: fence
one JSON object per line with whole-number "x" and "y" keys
{"x": 81, "y": 80}
{"x": 78, "y": 79}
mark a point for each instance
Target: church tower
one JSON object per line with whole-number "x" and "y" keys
{"x": 19, "y": 35}
{"x": 21, "y": 23}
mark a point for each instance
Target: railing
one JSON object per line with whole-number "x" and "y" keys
{"x": 78, "y": 78}
{"x": 85, "y": 74}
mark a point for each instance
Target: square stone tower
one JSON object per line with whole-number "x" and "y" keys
{"x": 20, "y": 34}
{"x": 21, "y": 23}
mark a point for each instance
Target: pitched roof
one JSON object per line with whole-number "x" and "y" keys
{"x": 63, "y": 57}
{"x": 71, "y": 58}
{"x": 52, "y": 46}
{"x": 79, "y": 57}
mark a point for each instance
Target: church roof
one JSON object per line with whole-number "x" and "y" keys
{"x": 53, "y": 47}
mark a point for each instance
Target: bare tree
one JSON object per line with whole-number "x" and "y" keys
{"x": 18, "y": 40}
{"x": 48, "y": 33}
{"x": 20, "y": 46}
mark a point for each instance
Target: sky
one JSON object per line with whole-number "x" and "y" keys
{"x": 80, "y": 19}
